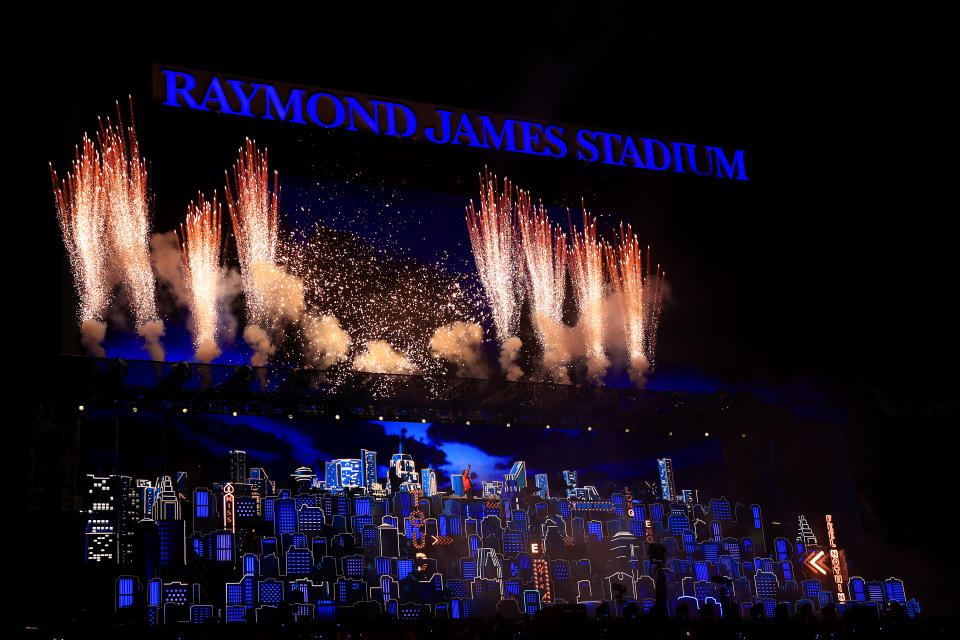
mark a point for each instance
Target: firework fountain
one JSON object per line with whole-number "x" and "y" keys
{"x": 544, "y": 250}
{"x": 270, "y": 293}
{"x": 387, "y": 308}
{"x": 200, "y": 247}
{"x": 493, "y": 239}
{"x": 640, "y": 295}
{"x": 254, "y": 211}
{"x": 587, "y": 256}
{"x": 126, "y": 199}
{"x": 83, "y": 224}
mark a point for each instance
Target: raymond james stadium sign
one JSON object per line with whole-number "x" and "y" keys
{"x": 206, "y": 91}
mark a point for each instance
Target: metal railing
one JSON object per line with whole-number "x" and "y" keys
{"x": 278, "y": 390}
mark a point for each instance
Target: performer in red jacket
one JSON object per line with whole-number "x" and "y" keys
{"x": 467, "y": 485}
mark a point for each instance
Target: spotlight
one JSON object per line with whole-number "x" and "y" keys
{"x": 627, "y": 430}
{"x": 336, "y": 417}
{"x": 468, "y": 423}
{"x": 508, "y": 425}
{"x": 548, "y": 426}
{"x": 424, "y": 421}
{"x": 289, "y": 416}
{"x": 380, "y": 418}
{"x": 234, "y": 414}
{"x": 589, "y": 428}
{"x": 706, "y": 434}
{"x": 80, "y": 408}
{"x": 670, "y": 433}
{"x": 134, "y": 409}
{"x": 184, "y": 409}
{"x": 743, "y": 435}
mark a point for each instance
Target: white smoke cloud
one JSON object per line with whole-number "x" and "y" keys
{"x": 326, "y": 343}
{"x": 459, "y": 343}
{"x": 561, "y": 344}
{"x": 279, "y": 300}
{"x": 151, "y": 331}
{"x": 280, "y": 292}
{"x": 281, "y": 295}
{"x": 597, "y": 366}
{"x": 208, "y": 351}
{"x": 617, "y": 341}
{"x": 259, "y": 341}
{"x": 167, "y": 262}
{"x": 379, "y": 357}
{"x": 229, "y": 286}
{"x": 509, "y": 351}
{"x": 165, "y": 256}
{"x": 92, "y": 334}
{"x": 117, "y": 318}
{"x": 638, "y": 367}
{"x": 614, "y": 329}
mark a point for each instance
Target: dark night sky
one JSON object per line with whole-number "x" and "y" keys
{"x": 828, "y": 278}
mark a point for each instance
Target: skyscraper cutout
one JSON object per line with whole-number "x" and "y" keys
{"x": 804, "y": 532}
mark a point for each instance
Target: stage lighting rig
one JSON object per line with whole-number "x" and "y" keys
{"x": 114, "y": 372}
{"x": 178, "y": 375}
{"x": 298, "y": 382}
{"x": 239, "y": 380}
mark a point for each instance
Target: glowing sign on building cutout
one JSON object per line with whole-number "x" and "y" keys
{"x": 228, "y": 515}
{"x": 835, "y": 560}
{"x": 541, "y": 578}
{"x": 417, "y": 522}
